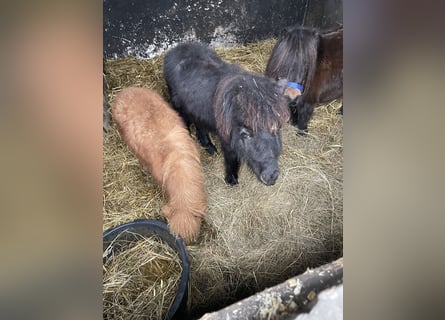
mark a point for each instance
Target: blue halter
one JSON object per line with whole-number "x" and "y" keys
{"x": 295, "y": 85}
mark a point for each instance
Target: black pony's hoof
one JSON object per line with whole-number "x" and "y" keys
{"x": 231, "y": 180}
{"x": 302, "y": 133}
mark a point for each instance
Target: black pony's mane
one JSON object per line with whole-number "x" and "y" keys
{"x": 252, "y": 99}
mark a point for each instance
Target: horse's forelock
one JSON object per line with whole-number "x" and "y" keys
{"x": 294, "y": 56}
{"x": 263, "y": 106}
{"x": 254, "y": 101}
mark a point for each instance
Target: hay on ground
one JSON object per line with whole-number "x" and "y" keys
{"x": 141, "y": 281}
{"x": 254, "y": 236}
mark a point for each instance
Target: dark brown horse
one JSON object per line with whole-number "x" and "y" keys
{"x": 314, "y": 59}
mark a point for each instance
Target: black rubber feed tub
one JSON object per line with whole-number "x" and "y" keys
{"x": 149, "y": 227}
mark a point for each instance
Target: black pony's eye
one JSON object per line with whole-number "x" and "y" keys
{"x": 245, "y": 134}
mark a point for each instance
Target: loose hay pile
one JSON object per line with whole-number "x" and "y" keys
{"x": 255, "y": 235}
{"x": 141, "y": 282}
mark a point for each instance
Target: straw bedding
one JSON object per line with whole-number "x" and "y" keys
{"x": 141, "y": 281}
{"x": 255, "y": 235}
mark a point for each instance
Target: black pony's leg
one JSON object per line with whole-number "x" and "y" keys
{"x": 232, "y": 165}
{"x": 204, "y": 139}
{"x": 304, "y": 115}
{"x": 293, "y": 108}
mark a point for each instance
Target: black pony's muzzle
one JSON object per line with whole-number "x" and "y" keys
{"x": 269, "y": 177}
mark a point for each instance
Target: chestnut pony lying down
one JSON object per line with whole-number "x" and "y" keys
{"x": 158, "y": 137}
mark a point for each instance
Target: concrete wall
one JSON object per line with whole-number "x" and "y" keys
{"x": 145, "y": 28}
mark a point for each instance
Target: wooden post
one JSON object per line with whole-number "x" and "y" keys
{"x": 286, "y": 298}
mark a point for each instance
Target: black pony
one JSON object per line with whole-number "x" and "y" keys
{"x": 313, "y": 59}
{"x": 244, "y": 109}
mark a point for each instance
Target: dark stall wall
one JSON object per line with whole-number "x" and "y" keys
{"x": 145, "y": 28}
{"x": 323, "y": 14}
